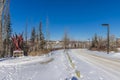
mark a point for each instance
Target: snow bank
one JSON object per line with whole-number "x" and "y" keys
{"x": 23, "y": 60}
{"x": 111, "y": 55}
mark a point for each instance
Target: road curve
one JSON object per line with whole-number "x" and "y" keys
{"x": 110, "y": 66}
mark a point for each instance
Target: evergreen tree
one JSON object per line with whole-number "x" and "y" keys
{"x": 33, "y": 35}
{"x": 95, "y": 41}
{"x": 41, "y": 37}
{"x": 8, "y": 30}
{"x": 7, "y": 41}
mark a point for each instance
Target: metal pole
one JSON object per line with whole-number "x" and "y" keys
{"x": 108, "y": 34}
{"x": 108, "y": 39}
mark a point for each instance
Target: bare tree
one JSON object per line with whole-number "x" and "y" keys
{"x": 47, "y": 35}
{"x": 26, "y": 32}
{"x": 2, "y": 3}
{"x": 113, "y": 46}
{"x": 66, "y": 40}
{"x": 41, "y": 37}
{"x": 6, "y": 30}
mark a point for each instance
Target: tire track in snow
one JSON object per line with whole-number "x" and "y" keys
{"x": 111, "y": 67}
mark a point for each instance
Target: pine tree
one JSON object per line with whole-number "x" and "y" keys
{"x": 95, "y": 41}
{"x": 33, "y": 35}
{"x": 41, "y": 37}
{"x": 8, "y": 30}
{"x": 7, "y": 42}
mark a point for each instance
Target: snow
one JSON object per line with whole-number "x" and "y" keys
{"x": 18, "y": 51}
{"x": 92, "y": 65}
{"x": 111, "y": 55}
{"x": 35, "y": 68}
{"x": 96, "y": 65}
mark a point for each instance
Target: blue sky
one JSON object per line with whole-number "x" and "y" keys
{"x": 81, "y": 18}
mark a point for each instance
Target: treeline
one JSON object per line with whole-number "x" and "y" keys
{"x": 100, "y": 43}
{"x": 37, "y": 41}
{"x": 36, "y": 45}
{"x": 6, "y": 35}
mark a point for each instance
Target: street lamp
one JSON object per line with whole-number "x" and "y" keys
{"x": 108, "y": 33}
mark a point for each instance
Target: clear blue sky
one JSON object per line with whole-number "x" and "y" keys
{"x": 81, "y": 18}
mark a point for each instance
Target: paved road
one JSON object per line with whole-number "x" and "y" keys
{"x": 110, "y": 66}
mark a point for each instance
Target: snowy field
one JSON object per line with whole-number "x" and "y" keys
{"x": 92, "y": 65}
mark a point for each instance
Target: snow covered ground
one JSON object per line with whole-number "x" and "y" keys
{"x": 54, "y": 67}
{"x": 113, "y": 55}
{"x": 96, "y": 65}
{"x": 92, "y": 65}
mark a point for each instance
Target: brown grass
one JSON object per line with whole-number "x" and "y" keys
{"x": 38, "y": 53}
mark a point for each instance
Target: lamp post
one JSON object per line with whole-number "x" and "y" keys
{"x": 108, "y": 33}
